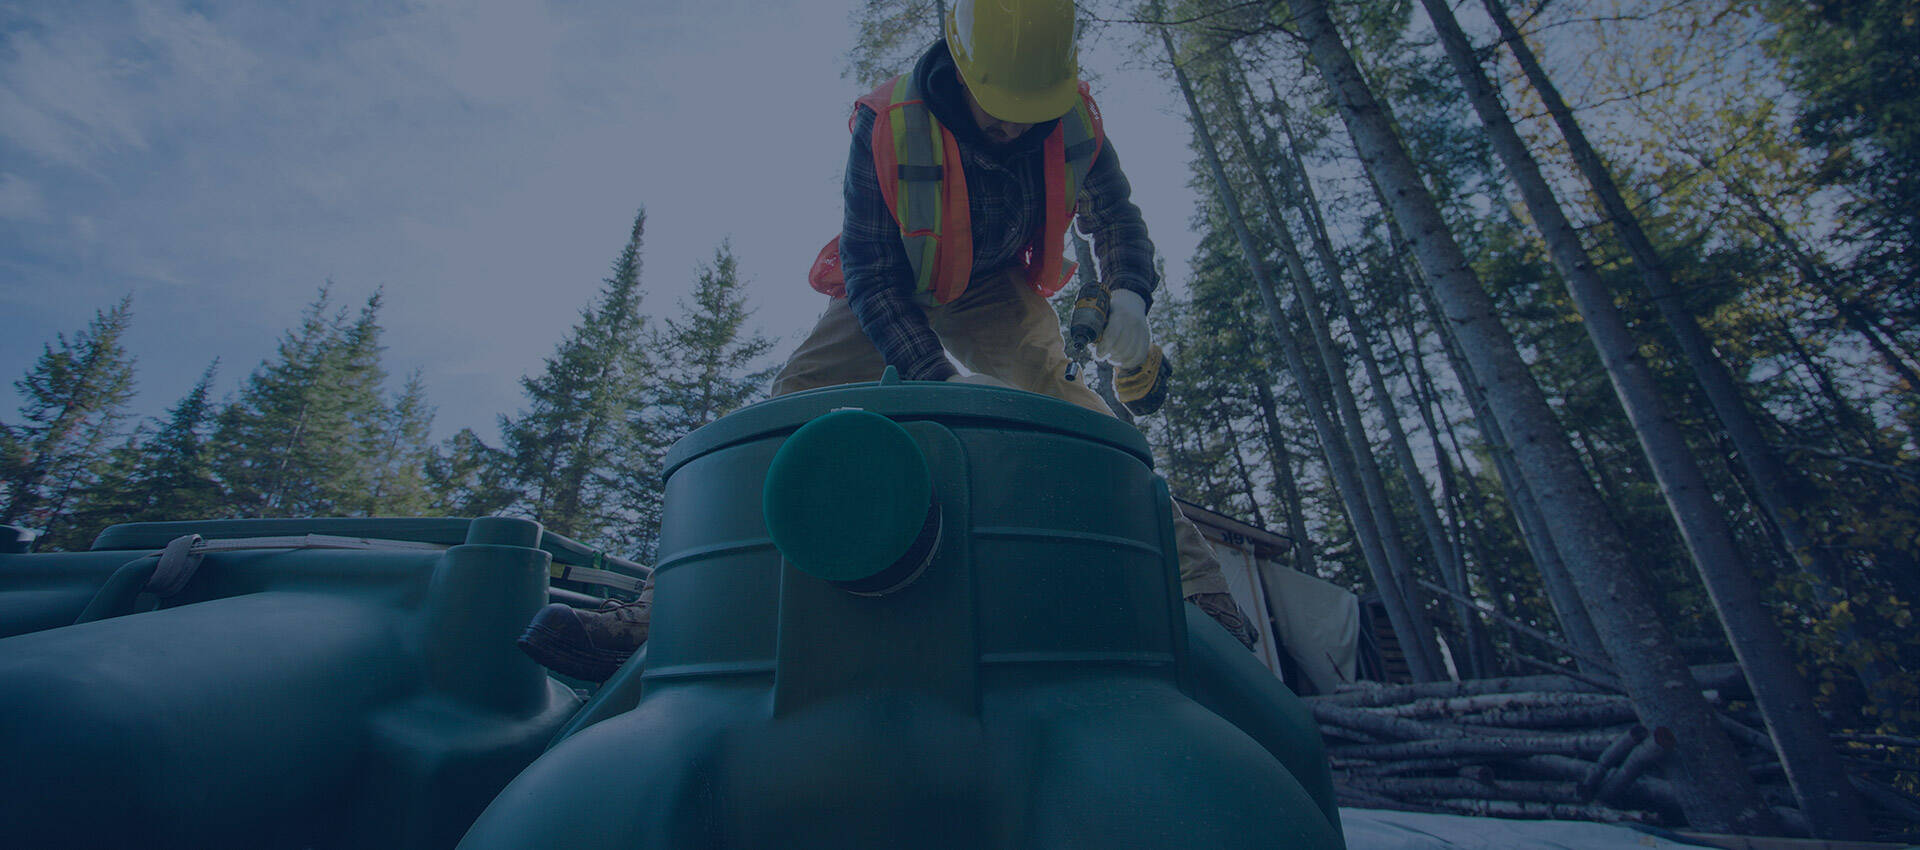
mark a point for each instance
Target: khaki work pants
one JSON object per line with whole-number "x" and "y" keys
{"x": 999, "y": 327}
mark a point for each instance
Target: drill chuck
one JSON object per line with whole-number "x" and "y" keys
{"x": 1143, "y": 388}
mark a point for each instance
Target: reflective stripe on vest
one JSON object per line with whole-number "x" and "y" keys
{"x": 917, "y": 187}
{"x": 911, "y": 154}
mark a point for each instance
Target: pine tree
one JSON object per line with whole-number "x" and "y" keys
{"x": 400, "y": 454}
{"x": 1819, "y": 780}
{"x": 1856, "y": 66}
{"x": 1388, "y": 567}
{"x": 706, "y": 357}
{"x": 703, "y": 370}
{"x": 889, "y": 36}
{"x": 354, "y": 370}
{"x": 1720, "y": 793}
{"x": 73, "y": 401}
{"x": 162, "y": 472}
{"x": 177, "y": 473}
{"x": 296, "y": 441}
{"x": 564, "y": 449}
{"x": 105, "y": 499}
{"x": 465, "y": 477}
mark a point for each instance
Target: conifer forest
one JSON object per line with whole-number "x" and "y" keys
{"x": 1580, "y": 338}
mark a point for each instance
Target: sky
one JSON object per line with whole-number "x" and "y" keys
{"x": 479, "y": 161}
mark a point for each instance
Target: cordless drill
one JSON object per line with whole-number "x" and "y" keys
{"x": 1143, "y": 388}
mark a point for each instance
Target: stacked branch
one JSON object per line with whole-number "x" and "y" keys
{"x": 1547, "y": 746}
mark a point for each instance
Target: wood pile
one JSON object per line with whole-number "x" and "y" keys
{"x": 1548, "y": 746}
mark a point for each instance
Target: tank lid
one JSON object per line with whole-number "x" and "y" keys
{"x": 967, "y": 405}
{"x": 848, "y": 463}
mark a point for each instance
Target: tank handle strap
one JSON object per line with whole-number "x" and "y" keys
{"x": 178, "y": 562}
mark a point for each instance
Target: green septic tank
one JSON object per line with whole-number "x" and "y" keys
{"x": 923, "y": 615}
{"x": 273, "y": 697}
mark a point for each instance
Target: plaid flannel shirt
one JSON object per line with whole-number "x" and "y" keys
{"x": 1004, "y": 201}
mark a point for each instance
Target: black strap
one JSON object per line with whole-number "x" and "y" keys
{"x": 178, "y": 562}
{"x": 921, "y": 173}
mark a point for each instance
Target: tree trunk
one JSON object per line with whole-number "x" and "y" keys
{"x": 1480, "y": 643}
{"x": 1555, "y": 578}
{"x": 1334, "y": 362}
{"x": 1845, "y": 419}
{"x": 1478, "y": 656}
{"x": 1562, "y": 592}
{"x": 1719, "y": 795}
{"x": 1591, "y": 661}
{"x": 1782, "y": 693}
{"x": 1339, "y": 460}
{"x": 1240, "y": 466}
{"x": 1777, "y": 488}
{"x": 1303, "y": 548}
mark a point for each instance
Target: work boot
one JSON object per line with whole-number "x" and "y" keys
{"x": 1220, "y": 607}
{"x": 588, "y": 645}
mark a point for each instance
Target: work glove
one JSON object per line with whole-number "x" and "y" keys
{"x": 981, "y": 380}
{"x": 1126, "y": 340}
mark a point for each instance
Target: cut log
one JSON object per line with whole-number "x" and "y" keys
{"x": 1399, "y": 767}
{"x": 1576, "y": 745}
{"x": 1610, "y": 758}
{"x": 1746, "y": 734}
{"x": 1350, "y": 797}
{"x": 1555, "y": 716}
{"x": 1560, "y": 767}
{"x": 1444, "y": 787}
{"x": 1650, "y": 752}
{"x": 1887, "y": 797}
{"x": 1650, "y": 792}
{"x": 1330, "y": 730}
{"x": 1385, "y": 725}
{"x": 1369, "y": 695}
{"x": 1547, "y": 811}
{"x": 1477, "y": 773}
{"x": 1455, "y": 706}
{"x": 1381, "y": 724}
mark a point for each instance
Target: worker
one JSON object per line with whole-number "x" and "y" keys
{"x": 968, "y": 271}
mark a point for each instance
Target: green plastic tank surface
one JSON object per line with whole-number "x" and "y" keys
{"x": 283, "y": 697}
{"x": 924, "y": 615}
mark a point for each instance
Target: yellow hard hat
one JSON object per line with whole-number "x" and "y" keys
{"x": 1016, "y": 56}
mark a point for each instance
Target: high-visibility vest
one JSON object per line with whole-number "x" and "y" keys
{"x": 911, "y": 151}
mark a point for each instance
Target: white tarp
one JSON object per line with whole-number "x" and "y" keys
{"x": 1319, "y": 623}
{"x": 1378, "y": 829}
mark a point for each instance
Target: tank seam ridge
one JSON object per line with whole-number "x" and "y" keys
{"x": 1151, "y": 659}
{"x": 1016, "y": 532}
{"x": 712, "y": 551}
{"x": 720, "y": 668}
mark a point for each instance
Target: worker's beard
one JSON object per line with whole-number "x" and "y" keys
{"x": 998, "y": 138}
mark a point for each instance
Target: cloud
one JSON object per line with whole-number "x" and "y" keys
{"x": 65, "y": 96}
{"x": 201, "y": 63}
{"x": 20, "y": 200}
{"x": 494, "y": 54}
{"x": 86, "y": 83}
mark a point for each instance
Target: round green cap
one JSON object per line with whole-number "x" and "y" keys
{"x": 846, "y": 495}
